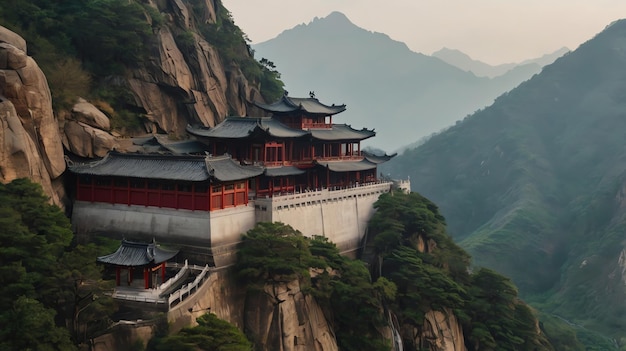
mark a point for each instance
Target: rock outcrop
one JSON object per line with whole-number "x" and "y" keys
{"x": 441, "y": 332}
{"x": 187, "y": 84}
{"x": 282, "y": 317}
{"x": 30, "y": 142}
{"x": 86, "y": 131}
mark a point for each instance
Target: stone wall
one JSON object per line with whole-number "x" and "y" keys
{"x": 340, "y": 215}
{"x": 212, "y": 237}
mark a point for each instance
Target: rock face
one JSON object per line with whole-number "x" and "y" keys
{"x": 86, "y": 131}
{"x": 281, "y": 317}
{"x": 187, "y": 84}
{"x": 441, "y": 332}
{"x": 30, "y": 142}
{"x": 181, "y": 85}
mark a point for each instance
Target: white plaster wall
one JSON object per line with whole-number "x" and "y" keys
{"x": 227, "y": 228}
{"x": 219, "y": 230}
{"x": 339, "y": 215}
{"x": 140, "y": 221}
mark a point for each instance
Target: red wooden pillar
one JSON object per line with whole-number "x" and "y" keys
{"x": 130, "y": 275}
{"x": 146, "y": 278}
{"x": 264, "y": 152}
{"x": 117, "y": 275}
{"x": 246, "y": 184}
{"x": 222, "y": 187}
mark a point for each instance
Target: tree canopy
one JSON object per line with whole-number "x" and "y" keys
{"x": 211, "y": 334}
{"x": 45, "y": 279}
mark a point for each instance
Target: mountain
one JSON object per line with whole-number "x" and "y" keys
{"x": 481, "y": 69}
{"x": 404, "y": 95}
{"x": 534, "y": 186}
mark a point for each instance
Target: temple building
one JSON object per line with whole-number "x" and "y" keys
{"x": 130, "y": 257}
{"x": 299, "y": 146}
{"x": 296, "y": 167}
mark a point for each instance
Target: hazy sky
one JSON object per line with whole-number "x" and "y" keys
{"x": 493, "y": 31}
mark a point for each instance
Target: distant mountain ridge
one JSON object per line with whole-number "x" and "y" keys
{"x": 534, "y": 186}
{"x": 481, "y": 69}
{"x": 404, "y": 95}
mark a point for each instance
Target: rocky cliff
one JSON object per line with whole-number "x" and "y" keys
{"x": 187, "y": 84}
{"x": 178, "y": 85}
{"x": 30, "y": 142}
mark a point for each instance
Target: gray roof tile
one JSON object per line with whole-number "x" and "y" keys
{"x": 311, "y": 105}
{"x": 137, "y": 254}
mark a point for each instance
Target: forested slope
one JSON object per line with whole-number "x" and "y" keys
{"x": 533, "y": 186}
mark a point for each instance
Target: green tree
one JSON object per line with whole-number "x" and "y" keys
{"x": 499, "y": 320}
{"x": 273, "y": 251}
{"x": 211, "y": 334}
{"x": 28, "y": 325}
{"x": 40, "y": 271}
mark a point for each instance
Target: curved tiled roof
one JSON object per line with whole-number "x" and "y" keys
{"x": 378, "y": 158}
{"x": 137, "y": 254}
{"x": 347, "y": 166}
{"x": 310, "y": 105}
{"x": 243, "y": 127}
{"x": 224, "y": 168}
{"x": 167, "y": 167}
{"x": 342, "y": 132}
{"x": 152, "y": 166}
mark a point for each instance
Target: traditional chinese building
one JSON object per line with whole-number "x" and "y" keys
{"x": 296, "y": 167}
{"x": 132, "y": 257}
{"x": 299, "y": 146}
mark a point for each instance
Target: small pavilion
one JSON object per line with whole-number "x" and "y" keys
{"x": 132, "y": 256}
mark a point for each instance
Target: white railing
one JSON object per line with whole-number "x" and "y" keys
{"x": 325, "y": 194}
{"x": 180, "y": 275}
{"x": 186, "y": 291}
{"x": 139, "y": 298}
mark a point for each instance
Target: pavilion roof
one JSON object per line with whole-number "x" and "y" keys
{"x": 347, "y": 166}
{"x": 224, "y": 168}
{"x": 342, "y": 132}
{"x": 167, "y": 167}
{"x": 244, "y": 127}
{"x": 135, "y": 254}
{"x": 309, "y": 105}
{"x": 378, "y": 158}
